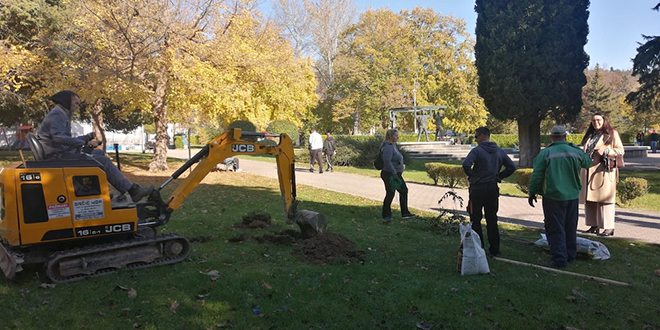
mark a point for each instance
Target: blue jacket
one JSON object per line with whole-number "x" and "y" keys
{"x": 484, "y": 163}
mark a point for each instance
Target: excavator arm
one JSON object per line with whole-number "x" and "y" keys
{"x": 230, "y": 144}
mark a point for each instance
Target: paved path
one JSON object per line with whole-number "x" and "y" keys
{"x": 630, "y": 224}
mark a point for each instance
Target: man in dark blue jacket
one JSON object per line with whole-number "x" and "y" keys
{"x": 483, "y": 166}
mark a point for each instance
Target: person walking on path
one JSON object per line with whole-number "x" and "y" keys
{"x": 57, "y": 142}
{"x": 315, "y": 147}
{"x": 603, "y": 144}
{"x": 391, "y": 174}
{"x": 483, "y": 166}
{"x": 329, "y": 149}
{"x": 640, "y": 139}
{"x": 556, "y": 177}
{"x": 654, "y": 140}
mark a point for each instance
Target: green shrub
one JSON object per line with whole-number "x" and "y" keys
{"x": 631, "y": 188}
{"x": 523, "y": 178}
{"x": 178, "y": 141}
{"x": 284, "y": 126}
{"x": 450, "y": 175}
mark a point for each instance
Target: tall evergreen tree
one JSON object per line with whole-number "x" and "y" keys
{"x": 646, "y": 66}
{"x": 531, "y": 60}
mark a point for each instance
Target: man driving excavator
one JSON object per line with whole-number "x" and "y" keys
{"x": 55, "y": 137}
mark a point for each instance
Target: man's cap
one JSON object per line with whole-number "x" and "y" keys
{"x": 558, "y": 131}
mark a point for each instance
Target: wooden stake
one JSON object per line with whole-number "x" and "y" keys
{"x": 595, "y": 278}
{"x": 22, "y": 158}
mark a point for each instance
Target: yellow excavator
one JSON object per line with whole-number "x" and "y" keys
{"x": 60, "y": 213}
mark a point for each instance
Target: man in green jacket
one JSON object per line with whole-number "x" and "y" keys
{"x": 556, "y": 177}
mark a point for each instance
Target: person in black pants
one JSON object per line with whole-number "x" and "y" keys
{"x": 391, "y": 174}
{"x": 483, "y": 166}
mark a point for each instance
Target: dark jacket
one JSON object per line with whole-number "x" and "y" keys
{"x": 329, "y": 145}
{"x": 483, "y": 164}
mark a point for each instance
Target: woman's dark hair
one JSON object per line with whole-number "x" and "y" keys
{"x": 63, "y": 98}
{"x": 607, "y": 128}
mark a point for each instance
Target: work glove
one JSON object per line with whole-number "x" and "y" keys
{"x": 395, "y": 182}
{"x": 531, "y": 200}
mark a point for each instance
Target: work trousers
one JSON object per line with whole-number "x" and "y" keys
{"x": 560, "y": 219}
{"x": 485, "y": 197}
{"x": 115, "y": 177}
{"x": 389, "y": 195}
{"x": 315, "y": 155}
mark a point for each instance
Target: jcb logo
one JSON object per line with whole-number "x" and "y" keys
{"x": 242, "y": 148}
{"x": 118, "y": 228}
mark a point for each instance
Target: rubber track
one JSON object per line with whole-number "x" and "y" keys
{"x": 90, "y": 250}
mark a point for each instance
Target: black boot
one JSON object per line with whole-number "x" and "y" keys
{"x": 137, "y": 192}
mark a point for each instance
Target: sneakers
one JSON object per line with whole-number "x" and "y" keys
{"x": 408, "y": 216}
{"x": 387, "y": 220}
{"x": 137, "y": 192}
{"x": 321, "y": 172}
{"x": 311, "y": 170}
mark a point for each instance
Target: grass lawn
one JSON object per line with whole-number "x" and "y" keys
{"x": 409, "y": 276}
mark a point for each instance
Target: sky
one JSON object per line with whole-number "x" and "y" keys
{"x": 615, "y": 26}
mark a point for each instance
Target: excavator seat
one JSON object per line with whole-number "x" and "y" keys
{"x": 40, "y": 160}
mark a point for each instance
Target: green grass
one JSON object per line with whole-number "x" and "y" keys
{"x": 409, "y": 276}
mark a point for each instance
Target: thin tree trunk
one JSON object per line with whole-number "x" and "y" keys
{"x": 159, "y": 110}
{"x": 529, "y": 137}
{"x": 98, "y": 123}
{"x": 356, "y": 122}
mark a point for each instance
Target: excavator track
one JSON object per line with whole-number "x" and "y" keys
{"x": 77, "y": 264}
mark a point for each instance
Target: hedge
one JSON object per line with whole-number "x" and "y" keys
{"x": 450, "y": 175}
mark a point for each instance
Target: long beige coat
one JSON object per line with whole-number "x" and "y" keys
{"x": 599, "y": 185}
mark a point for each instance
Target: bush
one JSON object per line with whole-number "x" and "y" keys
{"x": 284, "y": 126}
{"x": 178, "y": 141}
{"x": 631, "y": 188}
{"x": 451, "y": 176}
{"x": 523, "y": 178}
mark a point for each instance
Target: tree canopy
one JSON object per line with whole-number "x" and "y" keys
{"x": 646, "y": 67}
{"x": 530, "y": 59}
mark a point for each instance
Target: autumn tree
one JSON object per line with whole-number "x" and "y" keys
{"x": 530, "y": 59}
{"x": 646, "y": 67}
{"x": 386, "y": 54}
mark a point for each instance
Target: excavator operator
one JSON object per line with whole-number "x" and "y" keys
{"x": 57, "y": 142}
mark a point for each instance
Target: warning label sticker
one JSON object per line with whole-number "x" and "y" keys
{"x": 59, "y": 211}
{"x": 86, "y": 209}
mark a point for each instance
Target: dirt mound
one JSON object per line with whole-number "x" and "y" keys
{"x": 329, "y": 248}
{"x": 255, "y": 220}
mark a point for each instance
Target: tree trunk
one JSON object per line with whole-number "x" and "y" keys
{"x": 529, "y": 137}
{"x": 97, "y": 123}
{"x": 356, "y": 122}
{"x": 159, "y": 110}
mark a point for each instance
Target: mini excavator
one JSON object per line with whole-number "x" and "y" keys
{"x": 60, "y": 213}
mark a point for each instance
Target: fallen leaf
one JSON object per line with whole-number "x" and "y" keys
{"x": 657, "y": 272}
{"x": 119, "y": 287}
{"x": 47, "y": 286}
{"x": 174, "y": 306}
{"x": 571, "y": 298}
{"x": 265, "y": 285}
{"x": 136, "y": 325}
{"x": 132, "y": 293}
{"x": 577, "y": 293}
{"x": 489, "y": 307}
{"x": 423, "y": 326}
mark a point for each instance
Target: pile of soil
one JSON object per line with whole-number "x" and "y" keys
{"x": 328, "y": 248}
{"x": 255, "y": 220}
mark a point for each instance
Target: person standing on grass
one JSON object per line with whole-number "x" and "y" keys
{"x": 483, "y": 166}
{"x": 315, "y": 147}
{"x": 391, "y": 174}
{"x": 654, "y": 140}
{"x": 556, "y": 177}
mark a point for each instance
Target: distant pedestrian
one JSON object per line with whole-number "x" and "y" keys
{"x": 392, "y": 177}
{"x": 329, "y": 149}
{"x": 315, "y": 147}
{"x": 556, "y": 177}
{"x": 603, "y": 144}
{"x": 654, "y": 140}
{"x": 640, "y": 139}
{"x": 483, "y": 166}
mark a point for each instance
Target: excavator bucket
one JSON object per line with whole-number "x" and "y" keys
{"x": 8, "y": 264}
{"x": 311, "y": 223}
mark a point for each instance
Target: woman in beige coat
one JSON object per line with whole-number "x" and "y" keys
{"x": 598, "y": 193}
